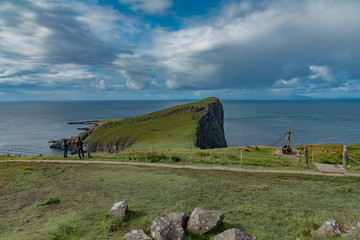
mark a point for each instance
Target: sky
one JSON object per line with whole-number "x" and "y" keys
{"x": 179, "y": 49}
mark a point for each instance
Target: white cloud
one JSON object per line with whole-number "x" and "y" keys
{"x": 148, "y": 6}
{"x": 322, "y": 72}
{"x": 101, "y": 85}
{"x": 247, "y": 46}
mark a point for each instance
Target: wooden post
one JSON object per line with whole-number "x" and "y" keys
{"x": 191, "y": 155}
{"x": 152, "y": 149}
{"x": 313, "y": 156}
{"x": 241, "y": 156}
{"x": 306, "y": 157}
{"x": 345, "y": 152}
{"x": 88, "y": 151}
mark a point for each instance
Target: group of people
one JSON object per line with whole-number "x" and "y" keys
{"x": 79, "y": 145}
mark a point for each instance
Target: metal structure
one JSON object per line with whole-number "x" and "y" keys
{"x": 21, "y": 152}
{"x": 286, "y": 148}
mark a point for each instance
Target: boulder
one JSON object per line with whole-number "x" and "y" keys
{"x": 119, "y": 209}
{"x": 351, "y": 231}
{"x": 330, "y": 227}
{"x": 137, "y": 235}
{"x": 234, "y": 234}
{"x": 164, "y": 228}
{"x": 179, "y": 218}
{"x": 203, "y": 221}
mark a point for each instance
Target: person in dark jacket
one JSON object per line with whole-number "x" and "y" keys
{"x": 80, "y": 145}
{"x": 65, "y": 146}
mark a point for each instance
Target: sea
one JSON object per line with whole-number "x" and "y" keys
{"x": 32, "y": 125}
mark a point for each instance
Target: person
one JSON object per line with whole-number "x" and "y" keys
{"x": 65, "y": 146}
{"x": 80, "y": 145}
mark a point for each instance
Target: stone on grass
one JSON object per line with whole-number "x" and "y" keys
{"x": 179, "y": 218}
{"x": 351, "y": 231}
{"x": 330, "y": 227}
{"x": 164, "y": 228}
{"x": 119, "y": 209}
{"x": 137, "y": 235}
{"x": 203, "y": 221}
{"x": 234, "y": 234}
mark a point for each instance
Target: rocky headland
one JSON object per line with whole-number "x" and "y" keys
{"x": 199, "y": 124}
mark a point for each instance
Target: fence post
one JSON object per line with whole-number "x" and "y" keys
{"x": 306, "y": 157}
{"x": 241, "y": 156}
{"x": 88, "y": 151}
{"x": 345, "y": 152}
{"x": 313, "y": 156}
{"x": 191, "y": 155}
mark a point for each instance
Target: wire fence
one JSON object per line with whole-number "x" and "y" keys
{"x": 21, "y": 152}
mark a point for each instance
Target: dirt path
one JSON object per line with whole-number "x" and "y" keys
{"x": 329, "y": 168}
{"x": 223, "y": 168}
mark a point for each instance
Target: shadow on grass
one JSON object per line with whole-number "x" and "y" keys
{"x": 114, "y": 224}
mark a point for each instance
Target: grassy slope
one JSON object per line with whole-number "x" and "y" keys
{"x": 332, "y": 154}
{"x": 171, "y": 131}
{"x": 268, "y": 206}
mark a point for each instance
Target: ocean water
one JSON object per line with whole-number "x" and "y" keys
{"x": 30, "y": 125}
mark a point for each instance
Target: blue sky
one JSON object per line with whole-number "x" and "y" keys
{"x": 179, "y": 49}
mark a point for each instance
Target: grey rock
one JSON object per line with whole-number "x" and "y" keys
{"x": 179, "y": 218}
{"x": 119, "y": 209}
{"x": 234, "y": 234}
{"x": 351, "y": 231}
{"x": 137, "y": 235}
{"x": 164, "y": 228}
{"x": 203, "y": 221}
{"x": 330, "y": 227}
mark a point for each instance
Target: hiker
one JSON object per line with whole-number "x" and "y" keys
{"x": 65, "y": 146}
{"x": 80, "y": 145}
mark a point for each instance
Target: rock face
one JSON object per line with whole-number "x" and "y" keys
{"x": 137, "y": 235}
{"x": 210, "y": 131}
{"x": 119, "y": 209}
{"x": 203, "y": 221}
{"x": 164, "y": 228}
{"x": 234, "y": 234}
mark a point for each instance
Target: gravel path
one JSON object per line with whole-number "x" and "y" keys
{"x": 223, "y": 168}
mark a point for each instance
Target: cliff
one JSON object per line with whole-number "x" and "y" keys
{"x": 199, "y": 124}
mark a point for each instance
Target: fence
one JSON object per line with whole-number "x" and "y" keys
{"x": 21, "y": 152}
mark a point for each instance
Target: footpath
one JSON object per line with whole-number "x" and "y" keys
{"x": 323, "y": 170}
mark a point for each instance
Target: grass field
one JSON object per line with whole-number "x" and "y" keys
{"x": 253, "y": 157}
{"x": 54, "y": 201}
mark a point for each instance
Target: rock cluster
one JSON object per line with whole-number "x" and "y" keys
{"x": 172, "y": 226}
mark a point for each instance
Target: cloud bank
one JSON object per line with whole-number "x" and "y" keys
{"x": 307, "y": 48}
